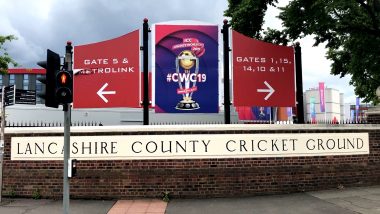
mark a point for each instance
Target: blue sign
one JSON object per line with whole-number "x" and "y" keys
{"x": 186, "y": 69}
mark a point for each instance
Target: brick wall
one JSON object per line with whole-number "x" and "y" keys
{"x": 374, "y": 119}
{"x": 373, "y": 115}
{"x": 197, "y": 178}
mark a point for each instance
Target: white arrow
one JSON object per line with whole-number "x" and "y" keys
{"x": 270, "y": 90}
{"x": 101, "y": 92}
{"x": 82, "y": 71}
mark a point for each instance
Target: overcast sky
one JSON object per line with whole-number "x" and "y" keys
{"x": 43, "y": 24}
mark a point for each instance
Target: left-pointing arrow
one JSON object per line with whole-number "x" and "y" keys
{"x": 101, "y": 92}
{"x": 270, "y": 90}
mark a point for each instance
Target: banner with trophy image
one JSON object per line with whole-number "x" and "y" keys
{"x": 186, "y": 68}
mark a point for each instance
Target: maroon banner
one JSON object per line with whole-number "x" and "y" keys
{"x": 108, "y": 73}
{"x": 263, "y": 73}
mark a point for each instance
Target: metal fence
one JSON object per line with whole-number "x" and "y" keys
{"x": 363, "y": 121}
{"x": 263, "y": 122}
{"x": 93, "y": 123}
{"x": 50, "y": 124}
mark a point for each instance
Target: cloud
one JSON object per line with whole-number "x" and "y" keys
{"x": 41, "y": 24}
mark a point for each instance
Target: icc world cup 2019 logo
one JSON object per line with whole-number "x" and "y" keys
{"x": 187, "y": 72}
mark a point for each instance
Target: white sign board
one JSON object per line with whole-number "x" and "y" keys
{"x": 126, "y": 147}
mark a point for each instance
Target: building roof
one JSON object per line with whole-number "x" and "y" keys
{"x": 26, "y": 71}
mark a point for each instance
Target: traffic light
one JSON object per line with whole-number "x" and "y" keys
{"x": 64, "y": 87}
{"x": 52, "y": 66}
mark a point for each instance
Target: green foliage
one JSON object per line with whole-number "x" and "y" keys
{"x": 248, "y": 15}
{"x": 276, "y": 37}
{"x": 5, "y": 59}
{"x": 165, "y": 196}
{"x": 36, "y": 195}
{"x": 350, "y": 29}
{"x": 12, "y": 192}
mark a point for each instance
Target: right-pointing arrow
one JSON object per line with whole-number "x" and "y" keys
{"x": 270, "y": 90}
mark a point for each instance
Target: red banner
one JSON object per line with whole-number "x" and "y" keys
{"x": 108, "y": 73}
{"x": 263, "y": 73}
{"x": 322, "y": 104}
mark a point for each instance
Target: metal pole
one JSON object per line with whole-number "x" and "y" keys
{"x": 66, "y": 154}
{"x": 2, "y": 141}
{"x": 146, "y": 72}
{"x": 226, "y": 64}
{"x": 270, "y": 115}
{"x": 66, "y": 138}
{"x": 299, "y": 84}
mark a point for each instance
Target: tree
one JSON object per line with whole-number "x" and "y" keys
{"x": 248, "y": 15}
{"x": 350, "y": 29}
{"x": 5, "y": 59}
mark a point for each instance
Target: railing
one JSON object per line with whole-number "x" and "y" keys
{"x": 260, "y": 122}
{"x": 50, "y": 124}
{"x": 93, "y": 123}
{"x": 362, "y": 121}
{"x": 189, "y": 122}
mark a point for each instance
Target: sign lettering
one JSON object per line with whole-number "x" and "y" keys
{"x": 108, "y": 73}
{"x": 191, "y": 146}
{"x": 263, "y": 73}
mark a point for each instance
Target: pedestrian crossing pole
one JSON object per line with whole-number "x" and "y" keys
{"x": 67, "y": 123}
{"x": 2, "y": 141}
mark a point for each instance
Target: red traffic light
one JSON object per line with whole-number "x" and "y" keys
{"x": 63, "y": 78}
{"x": 64, "y": 89}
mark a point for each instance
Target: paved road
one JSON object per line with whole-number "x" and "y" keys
{"x": 287, "y": 204}
{"x": 360, "y": 199}
{"x": 365, "y": 200}
{"x": 43, "y": 206}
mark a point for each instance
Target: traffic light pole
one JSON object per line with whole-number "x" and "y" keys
{"x": 66, "y": 146}
{"x": 66, "y": 157}
{"x": 2, "y": 141}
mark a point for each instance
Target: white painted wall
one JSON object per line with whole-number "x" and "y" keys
{"x": 332, "y": 104}
{"x": 115, "y": 116}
